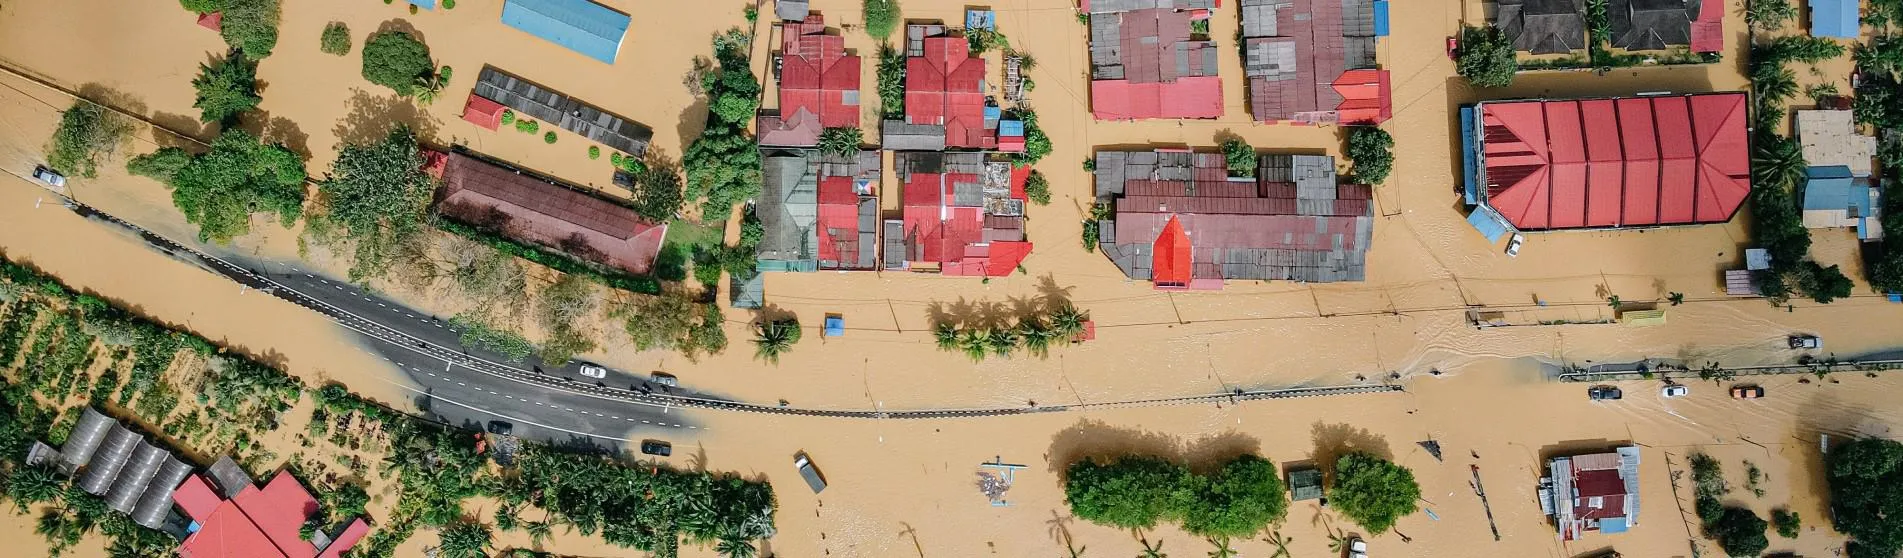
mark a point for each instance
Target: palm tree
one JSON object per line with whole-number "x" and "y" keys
{"x": 975, "y": 342}
{"x": 1067, "y": 323}
{"x": 1036, "y": 334}
{"x": 465, "y": 539}
{"x": 1676, "y": 298}
{"x": 1281, "y": 544}
{"x": 1222, "y": 548}
{"x": 32, "y": 485}
{"x": 538, "y": 531}
{"x": 770, "y": 339}
{"x": 946, "y": 335}
{"x": 428, "y": 88}
{"x": 1152, "y": 551}
{"x": 1002, "y": 341}
{"x": 505, "y": 518}
{"x": 735, "y": 547}
{"x": 1777, "y": 162}
{"x": 1613, "y": 301}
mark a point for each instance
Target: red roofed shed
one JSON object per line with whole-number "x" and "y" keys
{"x": 483, "y": 112}
{"x": 213, "y": 21}
{"x": 818, "y": 77}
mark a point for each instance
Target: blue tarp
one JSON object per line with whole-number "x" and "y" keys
{"x": 981, "y": 19}
{"x": 1380, "y": 18}
{"x": 1834, "y": 18}
{"x": 1469, "y": 156}
{"x": 580, "y": 25}
{"x": 835, "y": 326}
{"x": 1896, "y": 297}
{"x": 1011, "y": 128}
{"x": 1489, "y": 223}
{"x": 424, "y": 4}
{"x": 1612, "y": 525}
{"x": 993, "y": 113}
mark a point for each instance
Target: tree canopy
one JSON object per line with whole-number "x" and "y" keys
{"x": 1866, "y": 495}
{"x": 1485, "y": 57}
{"x": 891, "y": 82}
{"x": 377, "y": 196}
{"x": 1373, "y": 492}
{"x": 1241, "y": 499}
{"x": 335, "y": 39}
{"x": 220, "y": 189}
{"x": 250, "y": 26}
{"x": 1371, "y": 151}
{"x": 674, "y": 320}
{"x": 1137, "y": 492}
{"x": 396, "y": 60}
{"x": 723, "y": 164}
{"x": 840, "y": 141}
{"x": 1739, "y": 532}
{"x": 1240, "y": 156}
{"x": 882, "y": 16}
{"x": 227, "y": 88}
{"x": 87, "y": 135}
{"x": 657, "y": 193}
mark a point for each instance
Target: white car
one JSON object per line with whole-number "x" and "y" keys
{"x": 593, "y": 371}
{"x": 1674, "y": 391}
{"x": 49, "y": 176}
{"x": 1357, "y": 549}
{"x": 1513, "y": 245}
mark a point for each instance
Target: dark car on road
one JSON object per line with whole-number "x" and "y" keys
{"x": 1747, "y": 392}
{"x": 500, "y": 428}
{"x": 657, "y": 447}
{"x": 1604, "y": 393}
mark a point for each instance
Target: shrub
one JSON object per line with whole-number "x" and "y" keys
{"x": 479, "y": 334}
{"x": 335, "y": 40}
{"x": 396, "y": 60}
{"x": 548, "y": 137}
{"x": 891, "y": 82}
{"x": 508, "y": 117}
{"x": 1240, "y": 156}
{"x": 1769, "y": 15}
{"x": 1037, "y": 145}
{"x": 527, "y": 126}
{"x": 594, "y": 152}
{"x": 250, "y": 26}
{"x": 87, "y": 135}
{"x": 449, "y": 4}
{"x": 1037, "y": 188}
{"x": 1485, "y": 57}
{"x": 1371, "y": 151}
{"x": 1786, "y": 522}
{"x": 1373, "y": 492}
{"x": 226, "y": 88}
{"x": 753, "y": 13}
{"x": 882, "y": 16}
{"x": 1137, "y": 492}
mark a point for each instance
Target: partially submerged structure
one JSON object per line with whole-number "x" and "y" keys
{"x": 819, "y": 211}
{"x": 538, "y": 210}
{"x": 819, "y": 86}
{"x": 591, "y": 29}
{"x": 1835, "y": 198}
{"x": 1145, "y": 61}
{"x": 1182, "y": 223}
{"x": 534, "y": 101}
{"x": 1543, "y": 26}
{"x": 945, "y": 105}
{"x": 1594, "y": 492}
{"x": 234, "y": 519}
{"x": 1313, "y": 61}
{"x": 963, "y": 215}
{"x": 1654, "y": 24}
{"x": 1606, "y": 163}
{"x": 1830, "y": 138}
{"x": 107, "y": 459}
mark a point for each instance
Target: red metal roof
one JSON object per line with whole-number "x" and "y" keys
{"x": 946, "y": 87}
{"x": 553, "y": 216}
{"x": 1708, "y": 31}
{"x": 197, "y": 498}
{"x": 483, "y": 112}
{"x": 213, "y": 21}
{"x": 957, "y": 238}
{"x": 258, "y": 523}
{"x": 1188, "y": 97}
{"x": 838, "y": 221}
{"x": 1171, "y": 267}
{"x": 817, "y": 76}
{"x": 1365, "y": 97}
{"x": 1616, "y": 162}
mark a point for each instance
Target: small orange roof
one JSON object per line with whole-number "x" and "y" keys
{"x": 483, "y": 112}
{"x": 1170, "y": 266}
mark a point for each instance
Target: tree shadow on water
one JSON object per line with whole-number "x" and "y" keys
{"x": 1334, "y": 440}
{"x": 371, "y": 117}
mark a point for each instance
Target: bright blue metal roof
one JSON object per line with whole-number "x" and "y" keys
{"x": 1469, "y": 157}
{"x": 1380, "y": 18}
{"x": 835, "y": 326}
{"x": 1612, "y": 525}
{"x": 580, "y": 25}
{"x": 1834, "y": 18}
{"x": 1832, "y": 188}
{"x": 1488, "y": 222}
{"x": 424, "y": 4}
{"x": 981, "y": 19}
{"x": 1011, "y": 128}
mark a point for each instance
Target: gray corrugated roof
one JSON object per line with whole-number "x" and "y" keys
{"x": 133, "y": 479}
{"x": 749, "y": 292}
{"x": 786, "y": 208}
{"x": 106, "y": 462}
{"x": 87, "y": 434}
{"x": 896, "y": 135}
{"x": 230, "y": 478}
{"x": 157, "y": 501}
{"x": 791, "y": 10}
{"x": 893, "y": 243}
{"x": 561, "y": 110}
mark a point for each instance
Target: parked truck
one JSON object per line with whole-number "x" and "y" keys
{"x": 805, "y": 466}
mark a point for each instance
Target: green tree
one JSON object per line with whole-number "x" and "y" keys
{"x": 250, "y": 26}
{"x": 1485, "y": 57}
{"x": 1373, "y": 492}
{"x": 87, "y": 135}
{"x": 377, "y": 196}
{"x": 1132, "y": 492}
{"x": 723, "y": 164}
{"x": 1037, "y": 144}
{"x": 1037, "y": 188}
{"x": 1786, "y": 522}
{"x": 335, "y": 39}
{"x": 735, "y": 547}
{"x": 227, "y": 88}
{"x": 564, "y": 304}
{"x": 773, "y": 338}
{"x": 665, "y": 321}
{"x": 842, "y": 142}
{"x": 1239, "y": 500}
{"x": 34, "y": 485}
{"x": 1067, "y": 322}
{"x": 1866, "y": 495}
{"x": 538, "y": 531}
{"x": 396, "y": 60}
{"x": 658, "y": 194}
{"x": 1822, "y": 284}
{"x": 1371, "y": 151}
{"x": 465, "y": 539}
{"x": 882, "y": 16}
{"x": 1241, "y": 157}
{"x": 946, "y": 336}
{"x": 891, "y": 82}
{"x": 220, "y": 189}
{"x": 1036, "y": 335}
{"x": 1739, "y": 532}
{"x": 1768, "y": 15}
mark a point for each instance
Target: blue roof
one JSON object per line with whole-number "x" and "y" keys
{"x": 1011, "y": 128}
{"x": 580, "y": 25}
{"x": 1834, "y": 18}
{"x": 981, "y": 19}
{"x": 835, "y": 326}
{"x": 1380, "y": 18}
{"x": 1833, "y": 189}
{"x": 1469, "y": 156}
{"x": 1612, "y": 525}
{"x": 425, "y": 4}
{"x": 1488, "y": 222}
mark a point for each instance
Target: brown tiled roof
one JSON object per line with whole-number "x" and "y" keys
{"x": 548, "y": 214}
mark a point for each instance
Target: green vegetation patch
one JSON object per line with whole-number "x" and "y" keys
{"x": 220, "y": 189}
{"x": 88, "y": 134}
{"x": 397, "y": 60}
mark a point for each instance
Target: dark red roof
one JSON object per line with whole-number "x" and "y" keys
{"x": 553, "y": 216}
{"x": 1708, "y": 31}
{"x": 946, "y": 87}
{"x": 258, "y": 523}
{"x": 213, "y": 21}
{"x": 1322, "y": 88}
{"x": 955, "y": 237}
{"x": 1667, "y": 160}
{"x": 483, "y": 112}
{"x": 838, "y": 222}
{"x": 817, "y": 76}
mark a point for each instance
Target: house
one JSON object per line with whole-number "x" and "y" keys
{"x": 1838, "y": 19}
{"x": 533, "y": 209}
{"x": 963, "y": 215}
{"x": 1595, "y": 492}
{"x": 591, "y": 29}
{"x": 1182, "y": 223}
{"x": 819, "y": 86}
{"x": 1313, "y": 62}
{"x": 1543, "y": 26}
{"x": 1652, "y": 24}
{"x": 1834, "y": 198}
{"x": 530, "y": 100}
{"x": 819, "y": 211}
{"x": 234, "y": 519}
{"x": 792, "y": 10}
{"x": 1305, "y": 484}
{"x": 1830, "y": 138}
{"x": 1607, "y": 163}
{"x": 944, "y": 94}
{"x": 1144, "y": 62}
{"x": 112, "y": 461}
{"x": 483, "y": 112}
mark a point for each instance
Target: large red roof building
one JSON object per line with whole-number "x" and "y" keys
{"x": 536, "y": 210}
{"x": 1144, "y": 63}
{"x": 1609, "y": 163}
{"x": 258, "y": 522}
{"x": 819, "y": 85}
{"x": 962, "y": 215}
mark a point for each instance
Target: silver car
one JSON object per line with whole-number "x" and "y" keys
{"x": 49, "y": 176}
{"x": 593, "y": 371}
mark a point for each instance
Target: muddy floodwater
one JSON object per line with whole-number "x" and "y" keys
{"x": 903, "y": 488}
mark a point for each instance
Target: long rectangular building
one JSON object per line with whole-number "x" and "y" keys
{"x": 536, "y": 210}
{"x": 529, "y": 99}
